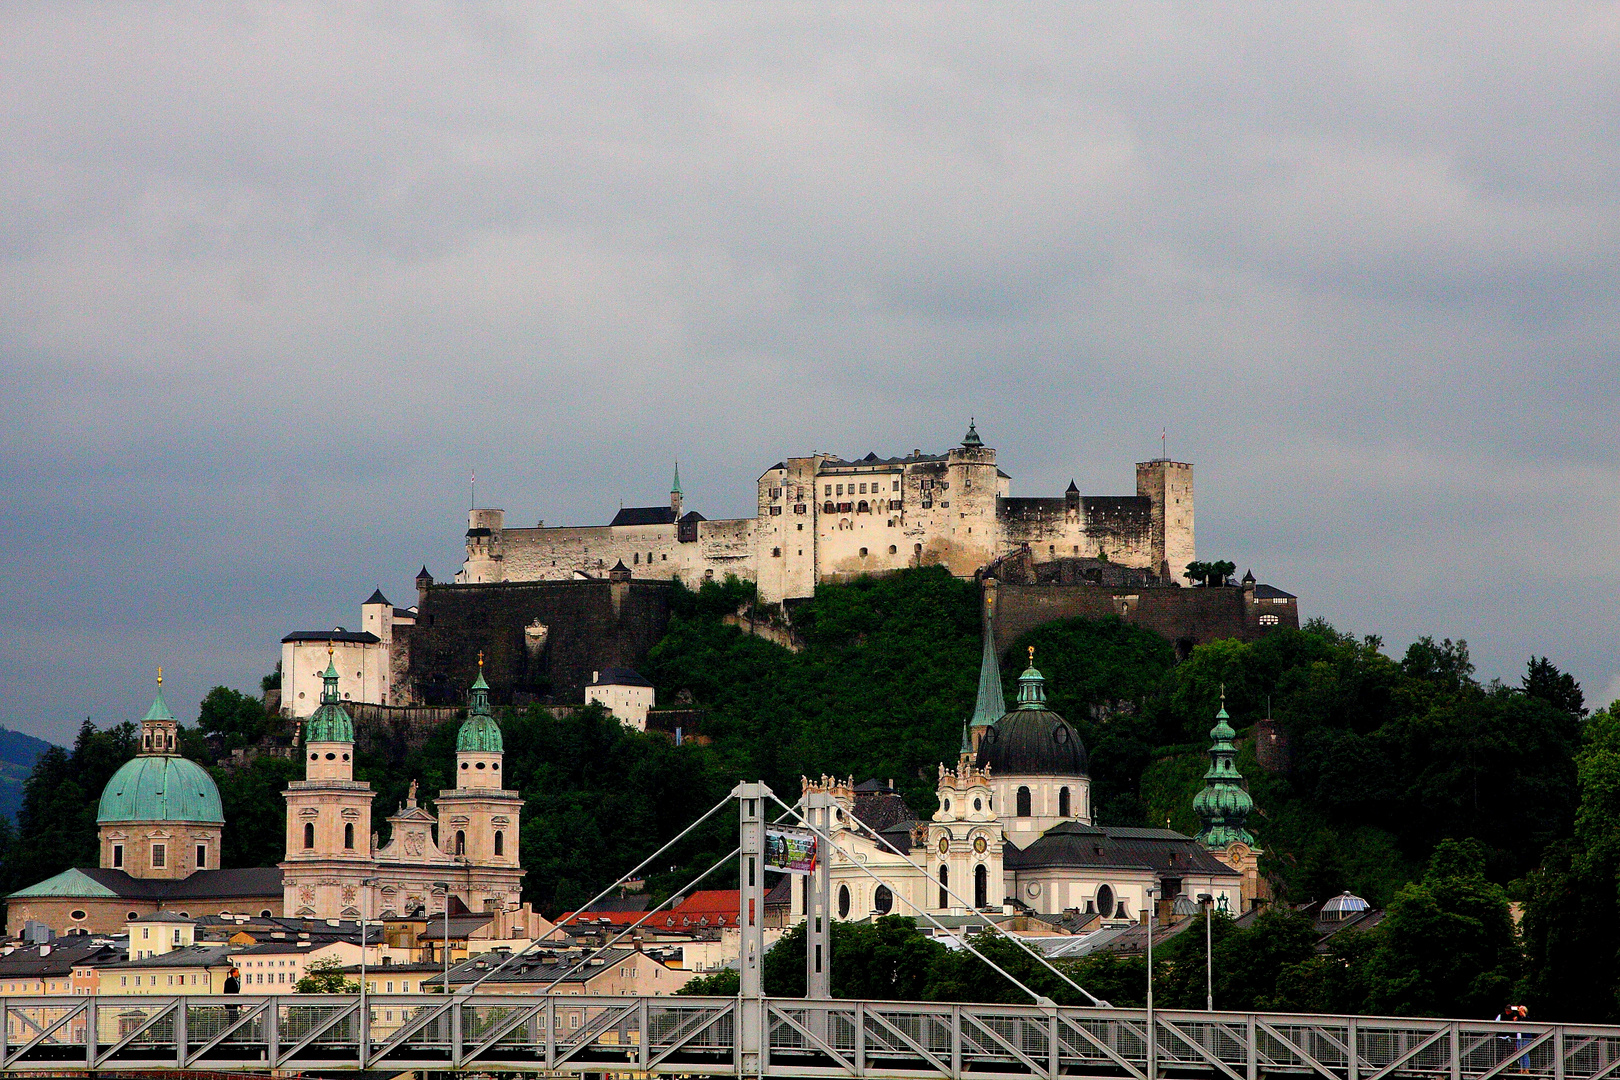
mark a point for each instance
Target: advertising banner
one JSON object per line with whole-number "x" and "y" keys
{"x": 790, "y": 851}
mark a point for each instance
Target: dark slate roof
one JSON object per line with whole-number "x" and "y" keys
{"x": 64, "y": 953}
{"x": 361, "y": 636}
{"x": 837, "y": 463}
{"x": 619, "y": 676}
{"x": 1271, "y": 592}
{"x": 883, "y": 809}
{"x": 376, "y": 598}
{"x": 461, "y": 926}
{"x": 1032, "y": 742}
{"x": 1162, "y": 851}
{"x": 187, "y": 956}
{"x": 693, "y": 516}
{"x": 781, "y": 894}
{"x": 644, "y": 515}
{"x": 541, "y": 967}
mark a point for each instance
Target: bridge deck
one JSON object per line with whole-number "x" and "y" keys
{"x": 664, "y": 1035}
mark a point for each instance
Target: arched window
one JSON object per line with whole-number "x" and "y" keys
{"x": 461, "y": 842}
{"x": 348, "y": 835}
{"x": 1023, "y": 802}
{"x": 883, "y": 900}
{"x": 309, "y": 835}
{"x": 1105, "y": 901}
{"x": 944, "y": 884}
{"x": 843, "y": 901}
{"x": 1063, "y": 802}
{"x": 981, "y": 886}
{"x": 500, "y": 842}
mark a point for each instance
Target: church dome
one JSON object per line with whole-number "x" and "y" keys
{"x": 161, "y": 789}
{"x": 1032, "y": 740}
{"x": 479, "y": 733}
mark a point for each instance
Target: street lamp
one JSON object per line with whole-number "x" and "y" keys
{"x": 1152, "y": 1048}
{"x": 365, "y": 899}
{"x": 1208, "y": 903}
{"x": 445, "y": 885}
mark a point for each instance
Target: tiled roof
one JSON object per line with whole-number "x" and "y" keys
{"x": 1070, "y": 844}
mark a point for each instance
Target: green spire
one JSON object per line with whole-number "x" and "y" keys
{"x": 1223, "y": 806}
{"x": 479, "y": 733}
{"x": 675, "y": 485}
{"x": 1031, "y": 686}
{"x": 330, "y": 723}
{"x": 160, "y": 708}
{"x": 992, "y": 702}
{"x": 972, "y": 437}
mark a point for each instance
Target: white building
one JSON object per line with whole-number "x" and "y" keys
{"x": 624, "y": 693}
{"x": 364, "y": 659}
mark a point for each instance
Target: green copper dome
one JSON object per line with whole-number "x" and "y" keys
{"x": 161, "y": 789}
{"x": 1223, "y": 805}
{"x": 329, "y": 722}
{"x": 479, "y": 734}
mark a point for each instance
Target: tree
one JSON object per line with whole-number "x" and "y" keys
{"x": 235, "y": 718}
{"x": 1559, "y": 689}
{"x": 325, "y": 976}
{"x": 724, "y": 983}
{"x": 1447, "y": 945}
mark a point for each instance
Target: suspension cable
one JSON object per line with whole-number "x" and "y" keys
{"x": 603, "y": 948}
{"x": 584, "y": 908}
{"x": 1096, "y": 1001}
{"x": 1037, "y": 998}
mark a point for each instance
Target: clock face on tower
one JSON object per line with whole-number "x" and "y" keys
{"x": 980, "y": 844}
{"x": 944, "y": 844}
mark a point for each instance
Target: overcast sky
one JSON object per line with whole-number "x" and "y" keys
{"x": 274, "y": 280}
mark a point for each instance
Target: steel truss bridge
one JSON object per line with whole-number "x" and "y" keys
{"x": 795, "y": 1037}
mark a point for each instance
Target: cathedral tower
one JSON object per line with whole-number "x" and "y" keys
{"x": 1224, "y": 807}
{"x": 328, "y": 816}
{"x": 478, "y": 818}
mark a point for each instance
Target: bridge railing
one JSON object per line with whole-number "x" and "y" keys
{"x": 667, "y": 1035}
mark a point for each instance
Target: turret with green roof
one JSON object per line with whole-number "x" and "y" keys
{"x": 330, "y": 723}
{"x": 479, "y": 733}
{"x": 1223, "y": 806}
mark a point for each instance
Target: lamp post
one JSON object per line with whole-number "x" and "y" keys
{"x": 1152, "y": 1049}
{"x": 1208, "y": 903}
{"x": 365, "y": 902}
{"x": 445, "y": 885}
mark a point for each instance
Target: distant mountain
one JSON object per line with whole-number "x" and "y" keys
{"x": 18, "y": 752}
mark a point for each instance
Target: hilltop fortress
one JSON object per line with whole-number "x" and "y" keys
{"x": 824, "y": 519}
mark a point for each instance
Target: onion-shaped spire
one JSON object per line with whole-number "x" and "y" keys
{"x": 1223, "y": 806}
{"x": 479, "y": 733}
{"x": 331, "y": 722}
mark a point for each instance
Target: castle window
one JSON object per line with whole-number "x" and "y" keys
{"x": 863, "y": 508}
{"x": 891, "y": 549}
{"x": 160, "y": 856}
{"x": 461, "y": 842}
{"x": 309, "y": 835}
{"x": 828, "y": 509}
{"x": 776, "y": 552}
{"x": 636, "y": 559}
{"x": 798, "y": 508}
{"x": 1023, "y": 802}
{"x": 944, "y": 887}
{"x": 843, "y": 901}
{"x": 863, "y": 550}
{"x": 118, "y": 855}
{"x": 663, "y": 558}
{"x": 500, "y": 842}
{"x": 863, "y": 489}
{"x": 896, "y": 486}
{"x": 840, "y": 490}
{"x": 981, "y": 886}
{"x": 202, "y": 856}
{"x": 348, "y": 836}
{"x": 1268, "y": 620}
{"x": 829, "y": 489}
{"x": 776, "y": 511}
{"x": 1063, "y": 802}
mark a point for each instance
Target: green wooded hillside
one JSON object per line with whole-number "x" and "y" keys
{"x": 1390, "y": 755}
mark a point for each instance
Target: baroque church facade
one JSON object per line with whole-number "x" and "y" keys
{"x": 335, "y": 867}
{"x": 1014, "y": 829}
{"x": 821, "y": 518}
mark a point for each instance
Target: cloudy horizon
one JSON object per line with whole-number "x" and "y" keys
{"x": 274, "y": 279}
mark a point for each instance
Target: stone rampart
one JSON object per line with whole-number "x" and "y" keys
{"x": 1184, "y": 617}
{"x": 541, "y": 640}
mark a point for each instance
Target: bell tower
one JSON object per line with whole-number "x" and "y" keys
{"x": 328, "y": 816}
{"x": 478, "y": 818}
